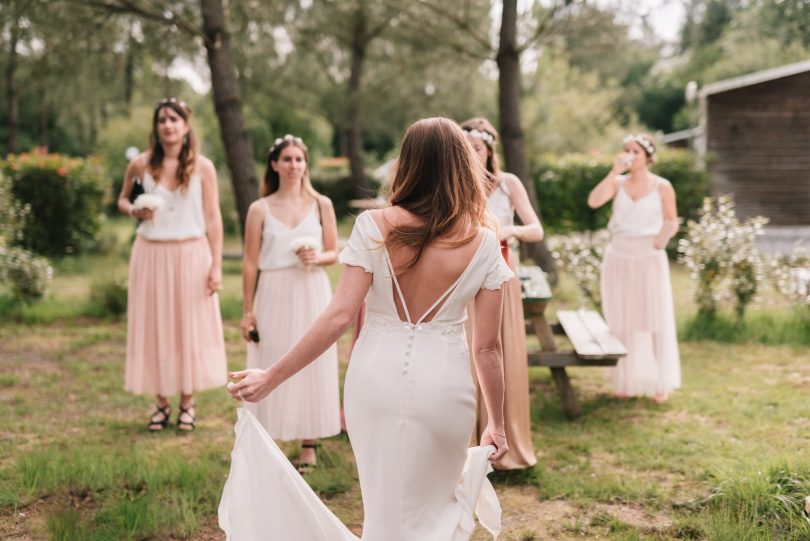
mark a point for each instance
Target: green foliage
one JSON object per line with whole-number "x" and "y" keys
{"x": 572, "y": 110}
{"x": 338, "y": 188}
{"x": 563, "y": 185}
{"x": 761, "y": 504}
{"x": 757, "y": 327}
{"x": 65, "y": 197}
{"x": 109, "y": 298}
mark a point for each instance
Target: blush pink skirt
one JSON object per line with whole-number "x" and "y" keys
{"x": 637, "y": 304}
{"x": 175, "y": 342}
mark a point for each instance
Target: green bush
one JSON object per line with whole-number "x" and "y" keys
{"x": 338, "y": 188}
{"x": 109, "y": 298}
{"x": 563, "y": 185}
{"x": 65, "y": 197}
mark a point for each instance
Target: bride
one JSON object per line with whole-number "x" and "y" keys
{"x": 409, "y": 394}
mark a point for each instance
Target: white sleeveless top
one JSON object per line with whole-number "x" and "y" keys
{"x": 640, "y": 218}
{"x": 277, "y": 239}
{"x": 500, "y": 202}
{"x": 181, "y": 217}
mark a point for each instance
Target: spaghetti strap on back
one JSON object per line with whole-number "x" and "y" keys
{"x": 409, "y": 401}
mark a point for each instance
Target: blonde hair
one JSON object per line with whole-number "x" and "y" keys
{"x": 439, "y": 179}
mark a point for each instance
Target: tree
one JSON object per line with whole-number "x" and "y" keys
{"x": 352, "y": 27}
{"x": 209, "y": 25}
{"x": 228, "y": 105}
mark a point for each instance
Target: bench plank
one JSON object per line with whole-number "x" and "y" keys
{"x": 578, "y": 334}
{"x": 554, "y": 359}
{"x": 611, "y": 346}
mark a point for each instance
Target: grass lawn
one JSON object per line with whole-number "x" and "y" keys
{"x": 727, "y": 458}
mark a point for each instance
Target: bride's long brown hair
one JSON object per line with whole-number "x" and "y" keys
{"x": 439, "y": 179}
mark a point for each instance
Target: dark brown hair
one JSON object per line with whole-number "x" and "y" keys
{"x": 439, "y": 179}
{"x": 188, "y": 152}
{"x": 271, "y": 179}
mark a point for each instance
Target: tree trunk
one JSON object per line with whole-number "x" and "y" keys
{"x": 228, "y": 105}
{"x": 43, "y": 117}
{"x": 11, "y": 90}
{"x": 514, "y": 149}
{"x": 353, "y": 129}
{"x": 129, "y": 66}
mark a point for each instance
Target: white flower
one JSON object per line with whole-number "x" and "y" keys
{"x": 305, "y": 242}
{"x": 148, "y": 201}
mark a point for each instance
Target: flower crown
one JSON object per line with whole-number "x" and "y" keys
{"x": 485, "y": 136}
{"x": 175, "y": 101}
{"x": 287, "y": 137}
{"x": 643, "y": 142}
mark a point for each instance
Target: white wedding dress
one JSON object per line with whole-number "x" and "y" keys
{"x": 410, "y": 405}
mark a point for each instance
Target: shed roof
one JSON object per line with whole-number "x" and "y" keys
{"x": 755, "y": 78}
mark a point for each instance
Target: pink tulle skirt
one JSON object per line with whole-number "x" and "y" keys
{"x": 306, "y": 406}
{"x": 637, "y": 304}
{"x": 174, "y": 329}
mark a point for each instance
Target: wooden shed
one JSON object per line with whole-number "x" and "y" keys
{"x": 755, "y": 133}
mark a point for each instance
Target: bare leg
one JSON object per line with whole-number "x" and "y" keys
{"x": 160, "y": 417}
{"x": 187, "y": 416}
{"x": 308, "y": 452}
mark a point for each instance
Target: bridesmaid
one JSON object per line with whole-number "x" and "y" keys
{"x": 635, "y": 284}
{"x": 174, "y": 329}
{"x": 508, "y": 196}
{"x": 290, "y": 236}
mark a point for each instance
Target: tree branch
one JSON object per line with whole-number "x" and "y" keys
{"x": 131, "y": 7}
{"x": 461, "y": 23}
{"x": 542, "y": 26}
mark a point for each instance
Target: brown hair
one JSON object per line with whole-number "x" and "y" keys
{"x": 484, "y": 125}
{"x": 439, "y": 179}
{"x": 272, "y": 181}
{"x": 188, "y": 152}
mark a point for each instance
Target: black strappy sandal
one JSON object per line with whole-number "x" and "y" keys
{"x": 186, "y": 426}
{"x": 156, "y": 425}
{"x": 307, "y": 467}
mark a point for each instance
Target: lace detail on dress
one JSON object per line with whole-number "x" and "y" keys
{"x": 453, "y": 332}
{"x": 499, "y": 274}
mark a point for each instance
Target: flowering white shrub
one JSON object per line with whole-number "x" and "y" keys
{"x": 719, "y": 251}
{"x": 581, "y": 254}
{"x": 790, "y": 276}
{"x": 12, "y": 214}
{"x": 26, "y": 275}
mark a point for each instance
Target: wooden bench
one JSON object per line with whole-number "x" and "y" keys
{"x": 593, "y": 343}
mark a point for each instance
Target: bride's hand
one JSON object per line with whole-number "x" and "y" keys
{"x": 498, "y": 439}
{"x": 249, "y": 385}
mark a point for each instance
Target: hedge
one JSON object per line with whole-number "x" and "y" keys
{"x": 65, "y": 198}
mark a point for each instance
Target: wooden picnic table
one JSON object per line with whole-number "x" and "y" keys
{"x": 593, "y": 343}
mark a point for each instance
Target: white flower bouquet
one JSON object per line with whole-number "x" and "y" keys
{"x": 148, "y": 201}
{"x": 311, "y": 243}
{"x": 299, "y": 243}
